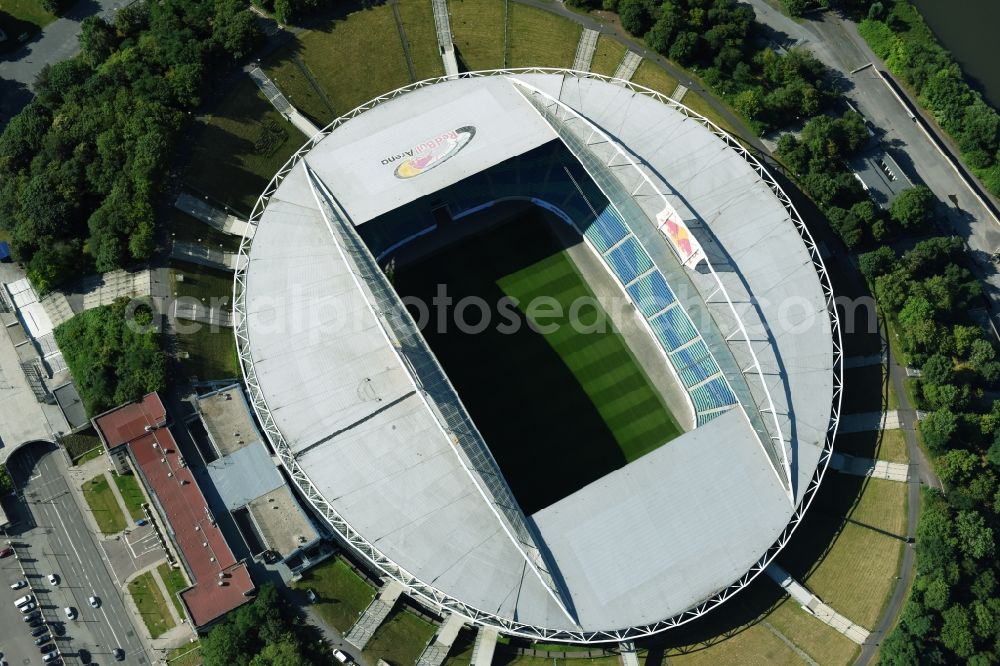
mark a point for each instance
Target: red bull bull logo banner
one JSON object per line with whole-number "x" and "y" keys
{"x": 431, "y": 153}
{"x": 685, "y": 245}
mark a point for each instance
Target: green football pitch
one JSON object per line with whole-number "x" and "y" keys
{"x": 561, "y": 402}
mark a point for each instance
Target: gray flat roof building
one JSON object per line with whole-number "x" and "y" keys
{"x": 646, "y": 547}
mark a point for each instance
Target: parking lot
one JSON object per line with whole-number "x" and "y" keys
{"x": 50, "y": 535}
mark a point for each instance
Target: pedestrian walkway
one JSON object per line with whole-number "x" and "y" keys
{"x": 879, "y": 469}
{"x": 628, "y": 65}
{"x": 865, "y": 421}
{"x": 437, "y": 649}
{"x": 281, "y": 103}
{"x": 201, "y": 313}
{"x": 445, "y": 38}
{"x": 585, "y": 50}
{"x": 864, "y": 361}
{"x": 813, "y": 605}
{"x": 219, "y": 220}
{"x": 199, "y": 254}
{"x": 376, "y": 613}
{"x": 485, "y": 646}
{"x": 629, "y": 655}
{"x": 678, "y": 94}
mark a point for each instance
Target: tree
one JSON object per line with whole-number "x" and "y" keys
{"x": 938, "y": 369}
{"x": 981, "y": 352}
{"x": 283, "y": 11}
{"x": 956, "y": 633}
{"x": 913, "y": 207}
{"x": 685, "y": 47}
{"x": 938, "y": 428}
{"x": 635, "y": 16}
{"x": 98, "y": 40}
{"x": 749, "y": 103}
{"x": 876, "y": 263}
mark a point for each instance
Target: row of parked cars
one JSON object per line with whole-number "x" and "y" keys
{"x": 37, "y": 626}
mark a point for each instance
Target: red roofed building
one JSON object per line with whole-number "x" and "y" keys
{"x": 138, "y": 432}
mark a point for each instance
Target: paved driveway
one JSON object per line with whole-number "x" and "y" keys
{"x": 54, "y": 538}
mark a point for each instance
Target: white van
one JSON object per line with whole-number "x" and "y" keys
{"x": 23, "y": 600}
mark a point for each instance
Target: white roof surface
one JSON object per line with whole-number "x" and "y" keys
{"x": 645, "y": 542}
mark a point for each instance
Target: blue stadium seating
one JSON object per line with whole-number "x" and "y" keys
{"x": 673, "y": 328}
{"x": 712, "y": 395}
{"x": 651, "y": 294}
{"x": 607, "y": 229}
{"x": 694, "y": 364}
{"x": 629, "y": 260}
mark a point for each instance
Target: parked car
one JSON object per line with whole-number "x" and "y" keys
{"x": 17, "y": 585}
{"x": 42, "y": 640}
{"x": 119, "y": 654}
{"x": 6, "y": 552}
{"x": 47, "y": 648}
{"x": 35, "y": 622}
{"x": 94, "y": 602}
{"x": 50, "y": 657}
{"x": 32, "y": 617}
{"x": 53, "y": 579}
{"x": 28, "y": 607}
{"x": 20, "y": 601}
{"x": 38, "y": 631}
{"x": 70, "y": 612}
{"x": 341, "y": 656}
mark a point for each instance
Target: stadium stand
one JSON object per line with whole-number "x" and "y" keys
{"x": 550, "y": 174}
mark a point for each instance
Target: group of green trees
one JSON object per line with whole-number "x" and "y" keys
{"x": 81, "y": 166}
{"x": 953, "y": 614}
{"x": 114, "y": 353}
{"x": 898, "y": 34}
{"x": 719, "y": 39}
{"x": 263, "y": 633}
{"x": 816, "y": 159}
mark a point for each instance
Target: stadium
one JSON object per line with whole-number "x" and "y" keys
{"x": 621, "y": 471}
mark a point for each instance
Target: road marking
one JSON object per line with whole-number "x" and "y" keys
{"x": 106, "y": 557}
{"x": 117, "y": 642}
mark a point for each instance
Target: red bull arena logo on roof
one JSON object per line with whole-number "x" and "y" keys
{"x": 431, "y": 153}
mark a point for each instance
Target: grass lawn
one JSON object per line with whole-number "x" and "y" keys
{"x": 697, "y": 103}
{"x": 400, "y": 639}
{"x": 882, "y": 506}
{"x": 421, "y": 37}
{"x": 174, "y": 581}
{"x": 104, "y": 506}
{"x": 353, "y": 59}
{"x": 858, "y": 574}
{"x": 21, "y": 16}
{"x": 864, "y": 390}
{"x": 822, "y": 642}
{"x": 607, "y": 56}
{"x": 539, "y": 38}
{"x": 888, "y": 445}
{"x": 211, "y": 354}
{"x": 653, "y": 76}
{"x": 755, "y": 645}
{"x": 183, "y": 227}
{"x": 243, "y": 144}
{"x": 478, "y": 27}
{"x": 292, "y": 77}
{"x": 151, "y": 604}
{"x": 186, "y": 655}
{"x": 130, "y": 491}
{"x": 601, "y": 363}
{"x": 202, "y": 283}
{"x": 508, "y": 659}
{"x": 343, "y": 594}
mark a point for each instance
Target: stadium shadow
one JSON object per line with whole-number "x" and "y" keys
{"x": 542, "y": 428}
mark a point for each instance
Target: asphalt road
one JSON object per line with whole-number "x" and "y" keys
{"x": 57, "y": 539}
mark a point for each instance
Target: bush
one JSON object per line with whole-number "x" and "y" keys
{"x": 114, "y": 354}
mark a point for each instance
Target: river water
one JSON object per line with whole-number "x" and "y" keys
{"x": 970, "y": 29}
